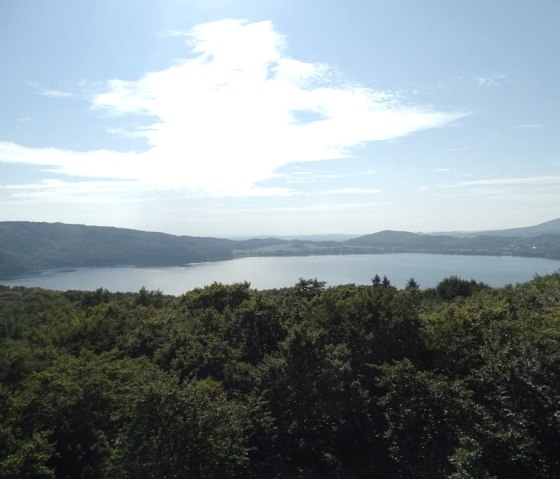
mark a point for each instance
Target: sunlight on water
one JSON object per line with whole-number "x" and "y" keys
{"x": 278, "y": 272}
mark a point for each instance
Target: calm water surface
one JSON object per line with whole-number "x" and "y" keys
{"x": 278, "y": 272}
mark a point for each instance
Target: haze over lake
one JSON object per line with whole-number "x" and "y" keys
{"x": 278, "y": 272}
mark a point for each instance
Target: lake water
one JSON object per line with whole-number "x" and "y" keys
{"x": 278, "y": 272}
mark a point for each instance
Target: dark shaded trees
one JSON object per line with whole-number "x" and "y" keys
{"x": 309, "y": 381}
{"x": 454, "y": 287}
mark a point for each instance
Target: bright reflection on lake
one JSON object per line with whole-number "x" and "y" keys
{"x": 278, "y": 272}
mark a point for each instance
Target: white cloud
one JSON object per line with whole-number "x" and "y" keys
{"x": 527, "y": 126}
{"x": 350, "y": 191}
{"x": 494, "y": 80}
{"x": 224, "y": 118}
{"x": 527, "y": 180}
{"x": 55, "y": 93}
{"x": 82, "y": 192}
{"x": 92, "y": 164}
{"x": 317, "y": 207}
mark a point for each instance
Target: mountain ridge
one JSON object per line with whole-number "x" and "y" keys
{"x": 552, "y": 226}
{"x": 548, "y": 227}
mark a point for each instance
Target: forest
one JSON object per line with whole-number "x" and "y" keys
{"x": 457, "y": 381}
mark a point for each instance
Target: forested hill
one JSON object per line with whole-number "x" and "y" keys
{"x": 27, "y": 247}
{"x": 548, "y": 227}
{"x": 544, "y": 245}
{"x": 455, "y": 382}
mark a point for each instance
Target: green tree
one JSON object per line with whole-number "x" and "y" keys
{"x": 175, "y": 430}
{"x": 454, "y": 287}
{"x": 25, "y": 457}
{"x": 412, "y": 284}
{"x": 426, "y": 414}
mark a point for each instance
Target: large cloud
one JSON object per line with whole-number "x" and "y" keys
{"x": 230, "y": 115}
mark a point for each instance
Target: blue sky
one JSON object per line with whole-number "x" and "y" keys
{"x": 280, "y": 117}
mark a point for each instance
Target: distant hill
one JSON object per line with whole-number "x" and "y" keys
{"x": 324, "y": 237}
{"x": 549, "y": 227}
{"x": 545, "y": 245}
{"x": 29, "y": 247}
{"x": 392, "y": 239}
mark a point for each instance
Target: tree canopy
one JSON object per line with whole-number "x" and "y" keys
{"x": 456, "y": 381}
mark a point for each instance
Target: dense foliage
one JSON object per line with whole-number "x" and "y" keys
{"x": 458, "y": 381}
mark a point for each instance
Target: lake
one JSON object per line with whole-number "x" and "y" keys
{"x": 278, "y": 272}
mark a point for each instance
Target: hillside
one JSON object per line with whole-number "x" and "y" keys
{"x": 549, "y": 227}
{"x": 27, "y": 247}
{"x": 546, "y": 245}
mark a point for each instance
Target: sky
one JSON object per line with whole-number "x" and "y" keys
{"x": 280, "y": 117}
